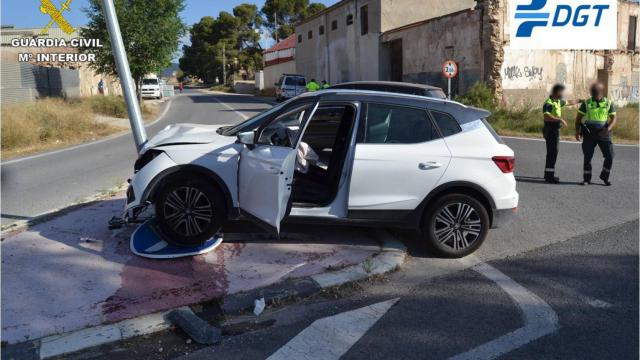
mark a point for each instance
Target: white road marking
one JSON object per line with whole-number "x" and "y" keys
{"x": 164, "y": 112}
{"x": 331, "y": 337}
{"x": 596, "y": 303}
{"x": 243, "y": 116}
{"x": 562, "y": 141}
{"x": 538, "y": 316}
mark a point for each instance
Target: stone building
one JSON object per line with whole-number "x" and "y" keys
{"x": 342, "y": 43}
{"x": 476, "y": 36}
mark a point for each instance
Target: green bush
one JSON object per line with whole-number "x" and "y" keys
{"x": 479, "y": 95}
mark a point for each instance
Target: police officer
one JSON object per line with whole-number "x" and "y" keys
{"x": 312, "y": 86}
{"x": 553, "y": 121}
{"x": 325, "y": 84}
{"x": 596, "y": 118}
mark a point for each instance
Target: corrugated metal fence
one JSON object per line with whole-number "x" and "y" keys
{"x": 20, "y": 82}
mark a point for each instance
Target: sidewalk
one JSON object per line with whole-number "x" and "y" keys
{"x": 72, "y": 272}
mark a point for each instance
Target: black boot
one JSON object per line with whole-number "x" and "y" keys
{"x": 605, "y": 178}
{"x": 552, "y": 179}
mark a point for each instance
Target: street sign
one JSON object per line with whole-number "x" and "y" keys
{"x": 449, "y": 70}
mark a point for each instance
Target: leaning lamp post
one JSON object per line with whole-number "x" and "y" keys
{"x": 122, "y": 65}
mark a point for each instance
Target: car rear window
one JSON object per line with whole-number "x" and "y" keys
{"x": 391, "y": 124}
{"x": 447, "y": 124}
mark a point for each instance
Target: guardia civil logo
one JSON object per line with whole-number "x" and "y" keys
{"x": 47, "y": 7}
{"x": 563, "y": 24}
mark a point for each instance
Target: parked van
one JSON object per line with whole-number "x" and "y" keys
{"x": 289, "y": 86}
{"x": 151, "y": 87}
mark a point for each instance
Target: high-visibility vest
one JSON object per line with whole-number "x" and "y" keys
{"x": 556, "y": 107}
{"x": 597, "y": 111}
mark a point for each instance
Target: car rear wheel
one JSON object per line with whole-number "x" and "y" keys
{"x": 189, "y": 212}
{"x": 455, "y": 225}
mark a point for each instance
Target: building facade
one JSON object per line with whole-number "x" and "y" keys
{"x": 279, "y": 59}
{"x": 342, "y": 43}
{"x": 478, "y": 40}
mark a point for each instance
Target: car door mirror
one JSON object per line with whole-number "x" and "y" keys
{"x": 247, "y": 138}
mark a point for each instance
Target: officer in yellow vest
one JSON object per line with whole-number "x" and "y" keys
{"x": 325, "y": 84}
{"x": 553, "y": 121}
{"x": 312, "y": 86}
{"x": 596, "y": 118}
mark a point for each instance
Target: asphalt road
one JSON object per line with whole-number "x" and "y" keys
{"x": 39, "y": 184}
{"x": 574, "y": 247}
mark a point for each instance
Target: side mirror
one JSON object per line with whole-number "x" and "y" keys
{"x": 247, "y": 138}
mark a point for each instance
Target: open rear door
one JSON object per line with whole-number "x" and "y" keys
{"x": 266, "y": 168}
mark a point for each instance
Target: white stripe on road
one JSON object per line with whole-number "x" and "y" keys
{"x": 164, "y": 112}
{"x": 243, "y": 116}
{"x": 331, "y": 337}
{"x": 596, "y": 303}
{"x": 539, "y": 317}
{"x": 562, "y": 141}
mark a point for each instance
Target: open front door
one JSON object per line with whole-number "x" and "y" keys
{"x": 266, "y": 168}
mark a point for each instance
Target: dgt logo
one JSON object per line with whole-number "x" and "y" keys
{"x": 563, "y": 24}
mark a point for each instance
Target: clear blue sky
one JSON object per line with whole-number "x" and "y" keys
{"x": 26, "y": 13}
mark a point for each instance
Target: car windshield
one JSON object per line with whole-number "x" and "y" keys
{"x": 149, "y": 81}
{"x": 296, "y": 81}
{"x": 251, "y": 123}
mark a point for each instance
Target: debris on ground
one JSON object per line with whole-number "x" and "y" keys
{"x": 258, "y": 306}
{"x": 197, "y": 329}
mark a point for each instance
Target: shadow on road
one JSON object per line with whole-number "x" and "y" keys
{"x": 539, "y": 180}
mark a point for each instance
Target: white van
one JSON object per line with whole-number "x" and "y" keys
{"x": 289, "y": 86}
{"x": 151, "y": 88}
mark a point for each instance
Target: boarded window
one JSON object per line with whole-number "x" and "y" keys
{"x": 349, "y": 19}
{"x": 321, "y": 30}
{"x": 364, "y": 20}
{"x": 633, "y": 28}
{"x": 299, "y": 38}
{"x": 310, "y": 35}
{"x": 334, "y": 25}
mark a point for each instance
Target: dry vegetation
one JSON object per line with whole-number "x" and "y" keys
{"x": 51, "y": 123}
{"x": 528, "y": 121}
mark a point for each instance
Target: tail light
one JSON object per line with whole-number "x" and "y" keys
{"x": 505, "y": 163}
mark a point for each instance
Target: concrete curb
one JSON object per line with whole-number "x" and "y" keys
{"x": 391, "y": 256}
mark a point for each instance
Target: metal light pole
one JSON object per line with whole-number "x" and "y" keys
{"x": 122, "y": 65}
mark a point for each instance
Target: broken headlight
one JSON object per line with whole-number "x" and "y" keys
{"x": 145, "y": 158}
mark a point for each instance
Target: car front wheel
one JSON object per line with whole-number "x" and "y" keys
{"x": 189, "y": 212}
{"x": 455, "y": 225}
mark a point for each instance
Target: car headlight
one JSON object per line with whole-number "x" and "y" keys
{"x": 146, "y": 158}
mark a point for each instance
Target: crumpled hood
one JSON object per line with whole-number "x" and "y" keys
{"x": 187, "y": 134}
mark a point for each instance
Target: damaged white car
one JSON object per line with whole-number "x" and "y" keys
{"x": 343, "y": 156}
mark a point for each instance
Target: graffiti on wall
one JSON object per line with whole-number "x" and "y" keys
{"x": 624, "y": 93}
{"x": 530, "y": 73}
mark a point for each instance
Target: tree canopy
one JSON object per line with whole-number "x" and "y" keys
{"x": 151, "y": 32}
{"x": 239, "y": 34}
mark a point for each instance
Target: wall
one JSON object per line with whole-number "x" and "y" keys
{"x": 272, "y": 73}
{"x": 27, "y": 82}
{"x": 428, "y": 44}
{"x": 343, "y": 54}
{"x": 396, "y": 13}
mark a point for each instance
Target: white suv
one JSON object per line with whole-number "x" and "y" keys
{"x": 333, "y": 156}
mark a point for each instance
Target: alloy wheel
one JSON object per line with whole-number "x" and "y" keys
{"x": 188, "y": 211}
{"x": 457, "y": 225}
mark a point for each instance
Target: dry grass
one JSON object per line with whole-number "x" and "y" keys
{"x": 52, "y": 123}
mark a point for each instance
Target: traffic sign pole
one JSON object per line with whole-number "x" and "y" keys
{"x": 122, "y": 65}
{"x": 449, "y": 88}
{"x": 449, "y": 70}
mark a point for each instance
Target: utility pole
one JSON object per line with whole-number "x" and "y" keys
{"x": 224, "y": 64}
{"x": 275, "y": 21}
{"x": 122, "y": 65}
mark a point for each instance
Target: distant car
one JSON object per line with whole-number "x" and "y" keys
{"x": 394, "y": 87}
{"x": 290, "y": 86}
{"x": 378, "y": 159}
{"x": 152, "y": 88}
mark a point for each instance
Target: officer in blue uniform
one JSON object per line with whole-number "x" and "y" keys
{"x": 553, "y": 121}
{"x": 596, "y": 118}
